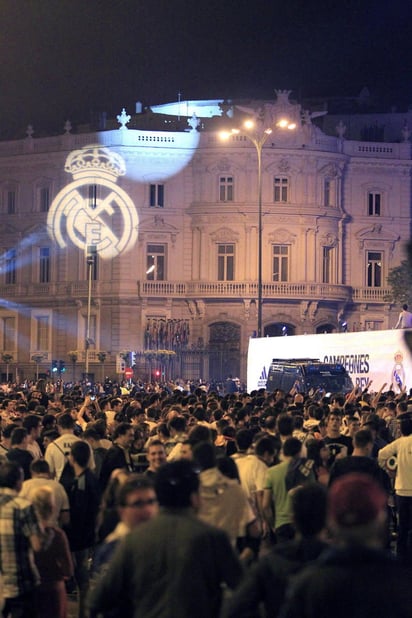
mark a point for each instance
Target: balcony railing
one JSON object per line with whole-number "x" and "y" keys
{"x": 243, "y": 289}
{"x": 199, "y": 289}
{"x": 377, "y": 295}
{"x": 249, "y": 289}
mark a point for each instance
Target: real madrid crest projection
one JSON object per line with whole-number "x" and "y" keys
{"x": 93, "y": 210}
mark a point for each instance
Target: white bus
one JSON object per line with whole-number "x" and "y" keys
{"x": 381, "y": 356}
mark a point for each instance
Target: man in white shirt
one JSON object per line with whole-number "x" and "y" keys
{"x": 57, "y": 451}
{"x": 40, "y": 477}
{"x": 400, "y": 451}
{"x": 404, "y": 319}
{"x": 253, "y": 471}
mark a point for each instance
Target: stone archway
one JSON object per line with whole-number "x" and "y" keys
{"x": 279, "y": 329}
{"x": 325, "y": 328}
{"x": 224, "y": 351}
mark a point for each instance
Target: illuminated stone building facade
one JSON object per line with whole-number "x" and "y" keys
{"x": 144, "y": 237}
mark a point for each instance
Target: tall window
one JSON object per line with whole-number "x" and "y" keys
{"x": 92, "y": 262}
{"x": 156, "y": 262}
{"x": 226, "y": 186}
{"x": 44, "y": 265}
{"x": 281, "y": 189}
{"x": 10, "y": 266}
{"x": 92, "y": 196}
{"x": 92, "y": 330}
{"x": 374, "y": 204}
{"x": 8, "y": 333}
{"x": 44, "y": 196}
{"x": 157, "y": 196}
{"x": 11, "y": 203}
{"x": 326, "y": 192}
{"x": 42, "y": 334}
{"x": 374, "y": 269}
{"x": 326, "y": 264}
{"x": 280, "y": 266}
{"x": 226, "y": 262}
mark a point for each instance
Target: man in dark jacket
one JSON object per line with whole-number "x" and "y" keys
{"x": 118, "y": 455}
{"x": 84, "y": 500}
{"x": 174, "y": 565}
{"x": 262, "y": 591}
{"x": 356, "y": 577}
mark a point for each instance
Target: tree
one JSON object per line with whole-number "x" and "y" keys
{"x": 7, "y": 359}
{"x": 102, "y": 357}
{"x": 400, "y": 282}
{"x": 37, "y": 358}
{"x": 73, "y": 356}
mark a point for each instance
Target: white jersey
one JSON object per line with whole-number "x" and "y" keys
{"x": 61, "y": 500}
{"x": 404, "y": 319}
{"x": 402, "y": 450}
{"x": 57, "y": 452}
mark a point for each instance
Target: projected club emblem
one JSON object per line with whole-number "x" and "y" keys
{"x": 93, "y": 210}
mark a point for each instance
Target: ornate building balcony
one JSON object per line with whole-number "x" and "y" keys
{"x": 243, "y": 289}
{"x": 370, "y": 295}
{"x": 196, "y": 289}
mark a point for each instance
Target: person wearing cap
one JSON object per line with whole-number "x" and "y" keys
{"x": 173, "y": 565}
{"x": 400, "y": 451}
{"x": 266, "y": 581}
{"x": 356, "y": 576}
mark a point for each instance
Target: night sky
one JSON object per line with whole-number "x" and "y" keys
{"x": 69, "y": 59}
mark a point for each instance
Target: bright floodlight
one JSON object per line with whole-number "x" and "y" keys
{"x": 249, "y": 124}
{"x": 224, "y": 134}
{"x": 292, "y": 126}
{"x": 283, "y": 123}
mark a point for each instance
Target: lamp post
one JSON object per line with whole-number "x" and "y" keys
{"x": 257, "y": 133}
{"x": 90, "y": 260}
{"x": 7, "y": 359}
{"x": 37, "y": 358}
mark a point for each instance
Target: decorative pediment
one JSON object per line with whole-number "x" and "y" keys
{"x": 377, "y": 232}
{"x": 38, "y": 230}
{"x": 376, "y": 237}
{"x": 282, "y": 236}
{"x": 224, "y": 165}
{"x": 9, "y": 230}
{"x": 224, "y": 234}
{"x": 332, "y": 170}
{"x": 283, "y": 165}
{"x": 158, "y": 229}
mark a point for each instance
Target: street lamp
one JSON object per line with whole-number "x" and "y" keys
{"x": 37, "y": 358}
{"x": 90, "y": 260}
{"x": 258, "y": 134}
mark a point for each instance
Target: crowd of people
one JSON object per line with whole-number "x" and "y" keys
{"x": 176, "y": 500}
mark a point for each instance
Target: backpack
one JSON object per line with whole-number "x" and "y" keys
{"x": 67, "y": 475}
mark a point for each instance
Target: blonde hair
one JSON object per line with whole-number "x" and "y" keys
{"x": 43, "y": 502}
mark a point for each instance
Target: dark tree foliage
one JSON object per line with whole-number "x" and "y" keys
{"x": 400, "y": 283}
